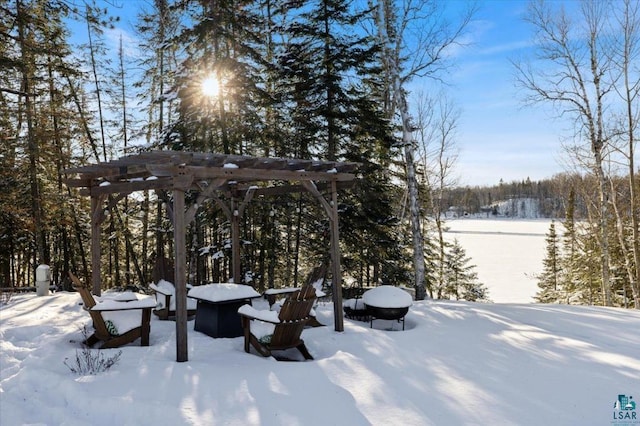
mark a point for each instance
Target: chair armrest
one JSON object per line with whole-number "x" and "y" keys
{"x": 250, "y": 312}
{"x": 159, "y": 290}
{"x": 276, "y": 291}
{"x": 112, "y": 305}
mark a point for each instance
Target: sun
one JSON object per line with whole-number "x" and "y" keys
{"x": 210, "y": 86}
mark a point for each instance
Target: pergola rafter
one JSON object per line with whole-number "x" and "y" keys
{"x": 239, "y": 178}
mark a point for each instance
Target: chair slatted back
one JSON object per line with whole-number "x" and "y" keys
{"x": 317, "y": 276}
{"x": 89, "y": 302}
{"x": 294, "y": 314}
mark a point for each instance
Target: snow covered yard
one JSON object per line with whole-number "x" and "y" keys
{"x": 457, "y": 363}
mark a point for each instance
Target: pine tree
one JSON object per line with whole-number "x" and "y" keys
{"x": 461, "y": 279}
{"x": 321, "y": 63}
{"x": 369, "y": 227}
{"x": 157, "y": 29}
{"x": 587, "y": 285}
{"x": 35, "y": 137}
{"x": 550, "y": 278}
{"x": 225, "y": 43}
{"x": 333, "y": 116}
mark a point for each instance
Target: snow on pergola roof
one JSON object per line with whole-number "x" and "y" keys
{"x": 155, "y": 170}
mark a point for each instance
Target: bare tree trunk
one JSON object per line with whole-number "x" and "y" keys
{"x": 414, "y": 204}
{"x": 125, "y": 139}
{"x": 437, "y": 122}
{"x": 26, "y": 68}
{"x": 597, "y": 137}
{"x": 394, "y": 22}
{"x": 579, "y": 88}
{"x": 97, "y": 84}
{"x": 604, "y": 234}
{"x": 630, "y": 23}
{"x": 63, "y": 271}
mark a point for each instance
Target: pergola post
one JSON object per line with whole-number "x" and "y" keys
{"x": 180, "y": 183}
{"x": 331, "y": 208}
{"x": 96, "y": 220}
{"x": 235, "y": 241}
{"x": 336, "y": 275}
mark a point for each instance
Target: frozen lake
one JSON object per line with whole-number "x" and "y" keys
{"x": 508, "y": 253}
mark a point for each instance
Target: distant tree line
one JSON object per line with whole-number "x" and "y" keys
{"x": 584, "y": 66}
{"x": 572, "y": 262}
{"x": 551, "y": 195}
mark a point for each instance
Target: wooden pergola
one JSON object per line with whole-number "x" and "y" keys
{"x": 210, "y": 176}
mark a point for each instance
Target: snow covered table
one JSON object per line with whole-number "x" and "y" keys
{"x": 387, "y": 302}
{"x": 217, "y": 309}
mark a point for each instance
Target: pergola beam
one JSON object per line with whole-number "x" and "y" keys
{"x": 200, "y": 172}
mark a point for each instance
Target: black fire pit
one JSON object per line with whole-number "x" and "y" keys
{"x": 376, "y": 312}
{"x": 387, "y": 303}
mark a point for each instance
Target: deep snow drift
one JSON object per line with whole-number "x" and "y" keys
{"x": 457, "y": 363}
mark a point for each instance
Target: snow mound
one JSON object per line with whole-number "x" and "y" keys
{"x": 387, "y": 296}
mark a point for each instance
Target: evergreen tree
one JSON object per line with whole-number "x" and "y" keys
{"x": 569, "y": 264}
{"x": 587, "y": 285}
{"x": 369, "y": 227}
{"x": 226, "y": 52}
{"x": 461, "y": 278}
{"x": 322, "y": 62}
{"x": 550, "y": 278}
{"x": 157, "y": 29}
{"x": 38, "y": 129}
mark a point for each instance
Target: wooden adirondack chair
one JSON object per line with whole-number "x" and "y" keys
{"x": 315, "y": 279}
{"x": 287, "y": 327}
{"x": 165, "y": 296}
{"x": 102, "y": 333}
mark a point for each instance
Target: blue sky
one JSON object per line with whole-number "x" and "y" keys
{"x": 498, "y": 137}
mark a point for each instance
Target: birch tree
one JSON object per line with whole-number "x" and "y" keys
{"x": 572, "y": 76}
{"x": 626, "y": 55}
{"x": 414, "y": 36}
{"x": 437, "y": 125}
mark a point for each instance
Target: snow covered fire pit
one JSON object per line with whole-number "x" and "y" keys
{"x": 388, "y": 303}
